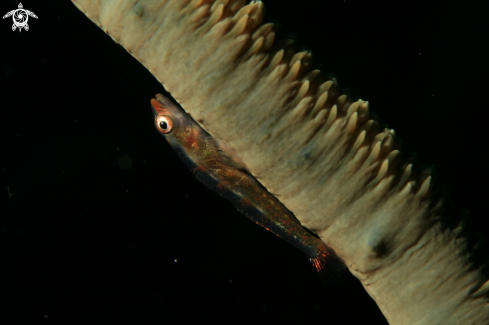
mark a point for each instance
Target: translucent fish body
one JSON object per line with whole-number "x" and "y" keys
{"x": 220, "y": 169}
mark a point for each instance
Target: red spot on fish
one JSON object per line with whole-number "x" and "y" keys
{"x": 200, "y": 168}
{"x": 221, "y": 186}
{"x": 245, "y": 202}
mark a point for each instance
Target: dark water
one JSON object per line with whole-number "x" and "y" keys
{"x": 104, "y": 223}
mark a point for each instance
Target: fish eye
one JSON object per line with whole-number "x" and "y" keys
{"x": 164, "y": 124}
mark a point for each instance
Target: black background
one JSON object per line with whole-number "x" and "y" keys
{"x": 105, "y": 224}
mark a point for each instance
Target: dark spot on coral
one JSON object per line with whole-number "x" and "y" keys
{"x": 380, "y": 249}
{"x": 139, "y": 10}
{"x": 306, "y": 153}
{"x": 139, "y": 13}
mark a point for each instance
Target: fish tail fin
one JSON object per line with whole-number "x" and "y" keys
{"x": 329, "y": 266}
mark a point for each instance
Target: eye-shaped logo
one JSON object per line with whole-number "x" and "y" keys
{"x": 20, "y": 17}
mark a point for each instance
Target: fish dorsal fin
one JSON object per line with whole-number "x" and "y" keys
{"x": 228, "y": 154}
{"x": 231, "y": 158}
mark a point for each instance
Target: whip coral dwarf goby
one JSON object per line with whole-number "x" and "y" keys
{"x": 220, "y": 169}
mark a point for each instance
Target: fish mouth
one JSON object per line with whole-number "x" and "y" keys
{"x": 156, "y": 107}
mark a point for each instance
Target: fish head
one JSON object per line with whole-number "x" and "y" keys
{"x": 178, "y": 128}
